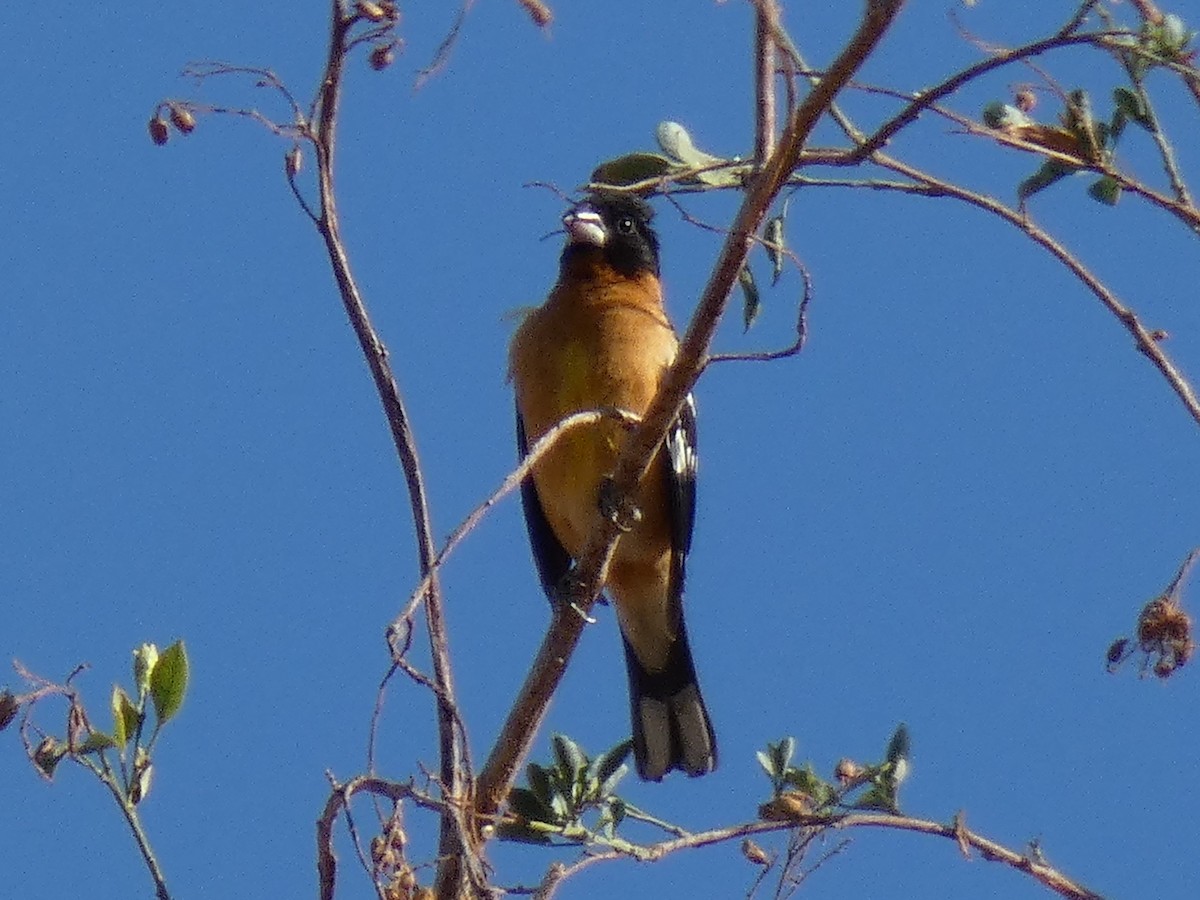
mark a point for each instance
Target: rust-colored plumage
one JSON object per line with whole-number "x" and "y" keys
{"x": 602, "y": 339}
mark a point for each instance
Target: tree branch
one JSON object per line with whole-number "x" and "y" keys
{"x": 957, "y": 831}
{"x": 566, "y": 627}
{"x": 454, "y": 844}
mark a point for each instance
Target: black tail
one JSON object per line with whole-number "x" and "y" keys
{"x": 671, "y": 728}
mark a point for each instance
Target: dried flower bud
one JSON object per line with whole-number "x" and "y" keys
{"x": 539, "y": 12}
{"x": 48, "y": 755}
{"x": 755, "y": 853}
{"x": 293, "y": 160}
{"x": 145, "y": 658}
{"x": 8, "y": 708}
{"x": 1158, "y": 335}
{"x": 390, "y": 10}
{"x": 183, "y": 119}
{"x": 1116, "y": 653}
{"x": 396, "y": 836}
{"x": 382, "y": 56}
{"x": 787, "y": 807}
{"x": 143, "y": 770}
{"x": 372, "y": 11}
{"x": 1025, "y": 100}
{"x": 159, "y": 132}
{"x": 847, "y": 771}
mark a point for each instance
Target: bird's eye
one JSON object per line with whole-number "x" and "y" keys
{"x": 625, "y": 225}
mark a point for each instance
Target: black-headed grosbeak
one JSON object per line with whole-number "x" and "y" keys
{"x": 602, "y": 339}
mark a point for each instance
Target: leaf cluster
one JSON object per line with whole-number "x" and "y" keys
{"x": 558, "y": 796}
{"x": 799, "y": 791}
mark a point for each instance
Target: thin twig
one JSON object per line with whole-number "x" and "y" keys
{"x": 205, "y": 69}
{"x": 458, "y": 862}
{"x": 1180, "y": 206}
{"x": 340, "y": 796}
{"x": 928, "y": 97}
{"x": 1143, "y": 337}
{"x": 927, "y": 185}
{"x": 801, "y": 330}
{"x": 129, "y": 811}
{"x": 511, "y": 482}
{"x": 956, "y": 831}
{"x": 766, "y": 22}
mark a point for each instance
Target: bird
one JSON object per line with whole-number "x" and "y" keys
{"x": 602, "y": 339}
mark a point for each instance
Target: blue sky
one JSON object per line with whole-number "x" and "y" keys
{"x": 941, "y": 513}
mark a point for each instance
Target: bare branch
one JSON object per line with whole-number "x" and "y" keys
{"x": 766, "y": 23}
{"x": 457, "y": 862}
{"x": 1031, "y": 864}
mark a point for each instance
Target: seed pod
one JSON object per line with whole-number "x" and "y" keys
{"x": 382, "y": 56}
{"x": 183, "y": 119}
{"x": 8, "y": 708}
{"x": 755, "y": 853}
{"x": 372, "y": 11}
{"x": 143, "y": 771}
{"x": 159, "y": 132}
{"x": 539, "y": 12}
{"x": 292, "y": 162}
{"x": 848, "y": 771}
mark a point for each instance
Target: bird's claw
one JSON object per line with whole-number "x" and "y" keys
{"x": 568, "y": 589}
{"x": 617, "y": 507}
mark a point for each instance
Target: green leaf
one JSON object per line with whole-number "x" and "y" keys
{"x": 751, "y": 300}
{"x": 1175, "y": 34}
{"x": 784, "y": 751}
{"x": 773, "y": 239}
{"x": 677, "y": 144}
{"x": 1052, "y": 170}
{"x": 539, "y": 785}
{"x": 572, "y": 762}
{"x": 525, "y": 803}
{"x": 125, "y": 716}
{"x": 807, "y": 781}
{"x": 1129, "y": 103}
{"x": 1106, "y": 190}
{"x": 877, "y": 798}
{"x": 609, "y": 764}
{"x": 768, "y": 765}
{"x": 900, "y": 745}
{"x": 609, "y": 785}
{"x": 97, "y": 741}
{"x": 1004, "y": 115}
{"x": 675, "y": 141}
{"x": 48, "y": 755}
{"x": 168, "y": 682}
{"x": 617, "y": 809}
{"x": 521, "y": 833}
{"x": 632, "y": 168}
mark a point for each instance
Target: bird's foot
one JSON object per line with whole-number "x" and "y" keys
{"x": 568, "y": 589}
{"x": 618, "y": 508}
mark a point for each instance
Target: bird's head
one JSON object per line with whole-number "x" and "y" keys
{"x": 617, "y": 226}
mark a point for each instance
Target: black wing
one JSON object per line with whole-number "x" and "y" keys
{"x": 553, "y": 561}
{"x": 681, "y": 479}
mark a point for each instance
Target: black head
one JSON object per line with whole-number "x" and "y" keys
{"x": 618, "y": 224}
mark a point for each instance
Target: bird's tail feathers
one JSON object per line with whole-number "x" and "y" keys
{"x": 671, "y": 727}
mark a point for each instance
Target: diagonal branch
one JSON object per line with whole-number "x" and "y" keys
{"x": 566, "y": 626}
